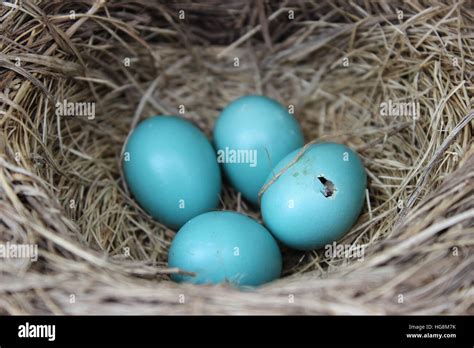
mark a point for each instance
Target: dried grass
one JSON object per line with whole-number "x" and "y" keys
{"x": 417, "y": 228}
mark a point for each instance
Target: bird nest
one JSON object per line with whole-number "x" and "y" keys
{"x": 392, "y": 80}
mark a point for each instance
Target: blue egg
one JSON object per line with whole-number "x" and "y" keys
{"x": 252, "y": 134}
{"x": 225, "y": 246}
{"x": 171, "y": 169}
{"x": 318, "y": 199}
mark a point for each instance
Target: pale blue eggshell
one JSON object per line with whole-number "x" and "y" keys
{"x": 301, "y": 211}
{"x": 259, "y": 124}
{"x": 225, "y": 246}
{"x": 172, "y": 170}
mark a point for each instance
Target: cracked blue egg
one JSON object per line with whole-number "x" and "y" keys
{"x": 224, "y": 246}
{"x": 316, "y": 200}
{"x": 171, "y": 170}
{"x": 252, "y": 134}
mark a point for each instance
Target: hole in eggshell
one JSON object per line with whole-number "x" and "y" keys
{"x": 328, "y": 189}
